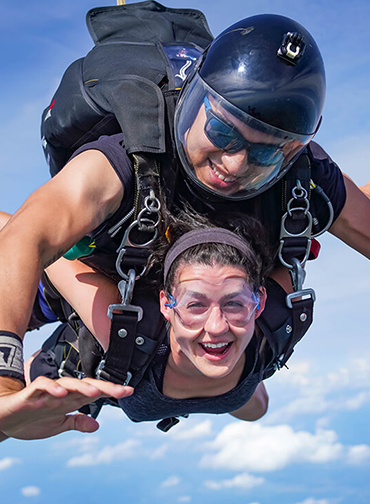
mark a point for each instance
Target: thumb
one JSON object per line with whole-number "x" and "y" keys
{"x": 80, "y": 422}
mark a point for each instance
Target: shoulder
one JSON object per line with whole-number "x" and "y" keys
{"x": 112, "y": 147}
{"x": 327, "y": 174}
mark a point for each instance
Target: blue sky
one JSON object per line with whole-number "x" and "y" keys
{"x": 313, "y": 447}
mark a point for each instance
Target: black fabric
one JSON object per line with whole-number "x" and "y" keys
{"x": 125, "y": 77}
{"x": 326, "y": 174}
{"x": 282, "y": 327}
{"x": 148, "y": 403}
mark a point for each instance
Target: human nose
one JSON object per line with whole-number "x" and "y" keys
{"x": 216, "y": 322}
{"x": 235, "y": 163}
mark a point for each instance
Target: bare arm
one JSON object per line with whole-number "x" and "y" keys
{"x": 256, "y": 407}
{"x": 52, "y": 219}
{"x": 352, "y": 225}
{"x": 55, "y": 217}
{"x": 4, "y": 217}
{"x": 90, "y": 293}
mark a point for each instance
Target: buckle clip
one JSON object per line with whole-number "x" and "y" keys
{"x": 298, "y": 276}
{"x": 126, "y": 288}
{"x": 100, "y": 368}
{"x": 147, "y": 221}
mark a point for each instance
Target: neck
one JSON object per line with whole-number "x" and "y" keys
{"x": 182, "y": 380}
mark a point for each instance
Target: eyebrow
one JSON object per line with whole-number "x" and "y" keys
{"x": 200, "y": 295}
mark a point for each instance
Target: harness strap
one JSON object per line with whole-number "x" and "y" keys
{"x": 282, "y": 326}
{"x": 121, "y": 347}
{"x": 302, "y": 316}
{"x": 296, "y": 223}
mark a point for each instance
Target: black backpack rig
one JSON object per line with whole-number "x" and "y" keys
{"x": 129, "y": 82}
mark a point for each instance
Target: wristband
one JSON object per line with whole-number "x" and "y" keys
{"x": 11, "y": 355}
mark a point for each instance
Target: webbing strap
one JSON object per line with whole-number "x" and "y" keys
{"x": 302, "y": 316}
{"x": 283, "y": 327}
{"x": 122, "y": 337}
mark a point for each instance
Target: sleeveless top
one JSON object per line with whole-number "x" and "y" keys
{"x": 148, "y": 403}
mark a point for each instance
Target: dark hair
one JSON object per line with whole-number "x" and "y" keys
{"x": 257, "y": 264}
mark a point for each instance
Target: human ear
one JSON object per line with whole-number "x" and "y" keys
{"x": 164, "y": 305}
{"x": 262, "y": 301}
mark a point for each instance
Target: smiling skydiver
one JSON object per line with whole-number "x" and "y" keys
{"x": 250, "y": 107}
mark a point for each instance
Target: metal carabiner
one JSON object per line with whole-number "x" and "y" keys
{"x": 126, "y": 241}
{"x": 126, "y": 287}
{"x": 298, "y": 276}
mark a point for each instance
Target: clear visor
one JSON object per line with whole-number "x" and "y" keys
{"x": 195, "y": 301}
{"x": 225, "y": 150}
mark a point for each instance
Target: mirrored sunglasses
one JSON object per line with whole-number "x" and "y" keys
{"x": 224, "y": 136}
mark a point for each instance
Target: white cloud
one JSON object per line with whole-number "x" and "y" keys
{"x": 359, "y": 454}
{"x": 244, "y": 481}
{"x": 258, "y": 448}
{"x": 159, "y": 452}
{"x": 184, "y": 498}
{"x": 171, "y": 482}
{"x": 303, "y": 390}
{"x": 78, "y": 444}
{"x": 198, "y": 431}
{"x": 107, "y": 455}
{"x": 31, "y": 491}
{"x": 8, "y": 462}
{"x": 310, "y": 500}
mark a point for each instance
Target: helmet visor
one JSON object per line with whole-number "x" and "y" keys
{"x": 227, "y": 151}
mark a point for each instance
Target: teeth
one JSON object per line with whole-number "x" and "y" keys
{"x": 214, "y": 345}
{"x": 221, "y": 177}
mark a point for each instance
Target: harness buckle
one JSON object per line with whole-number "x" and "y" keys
{"x": 100, "y": 368}
{"x": 298, "y": 276}
{"x": 61, "y": 368}
{"x": 126, "y": 288}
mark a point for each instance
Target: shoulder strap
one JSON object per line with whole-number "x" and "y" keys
{"x": 125, "y": 83}
{"x": 283, "y": 327}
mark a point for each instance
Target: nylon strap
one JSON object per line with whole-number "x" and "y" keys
{"x": 121, "y": 347}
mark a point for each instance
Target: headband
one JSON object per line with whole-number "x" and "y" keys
{"x": 204, "y": 235}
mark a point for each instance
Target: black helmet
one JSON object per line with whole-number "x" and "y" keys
{"x": 259, "y": 89}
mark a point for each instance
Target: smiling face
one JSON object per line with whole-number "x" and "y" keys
{"x": 229, "y": 172}
{"x": 213, "y": 319}
{"x": 225, "y": 149}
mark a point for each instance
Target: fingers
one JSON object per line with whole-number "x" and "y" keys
{"x": 42, "y": 385}
{"x": 80, "y": 422}
{"x": 109, "y": 389}
{"x": 88, "y": 387}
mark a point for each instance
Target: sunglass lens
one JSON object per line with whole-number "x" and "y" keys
{"x": 264, "y": 156}
{"x": 222, "y": 136}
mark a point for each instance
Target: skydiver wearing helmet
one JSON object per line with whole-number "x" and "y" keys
{"x": 259, "y": 91}
{"x": 251, "y": 107}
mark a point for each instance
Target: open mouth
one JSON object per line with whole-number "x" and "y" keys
{"x": 216, "y": 348}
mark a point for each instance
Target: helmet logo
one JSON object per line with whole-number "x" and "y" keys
{"x": 292, "y": 47}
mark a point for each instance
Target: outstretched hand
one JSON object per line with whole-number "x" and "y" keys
{"x": 42, "y": 409}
